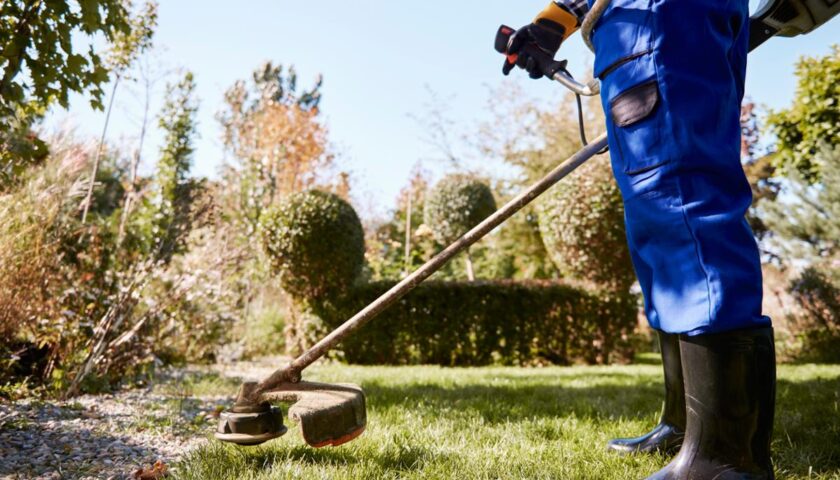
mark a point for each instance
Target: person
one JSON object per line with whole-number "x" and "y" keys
{"x": 672, "y": 80}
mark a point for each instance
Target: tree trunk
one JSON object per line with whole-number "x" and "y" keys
{"x": 407, "y": 260}
{"x": 135, "y": 163}
{"x": 470, "y": 272}
{"x": 89, "y": 196}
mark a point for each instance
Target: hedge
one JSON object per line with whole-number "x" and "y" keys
{"x": 487, "y": 322}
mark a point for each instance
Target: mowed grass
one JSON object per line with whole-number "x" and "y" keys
{"x": 488, "y": 423}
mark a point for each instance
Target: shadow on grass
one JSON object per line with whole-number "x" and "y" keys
{"x": 217, "y": 457}
{"x": 267, "y": 457}
{"x": 610, "y": 395}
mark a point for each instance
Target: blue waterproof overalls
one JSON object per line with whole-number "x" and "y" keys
{"x": 672, "y": 80}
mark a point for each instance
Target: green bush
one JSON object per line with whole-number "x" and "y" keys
{"x": 480, "y": 323}
{"x": 315, "y": 242}
{"x": 819, "y": 328}
{"x": 582, "y": 226}
{"x": 457, "y": 204}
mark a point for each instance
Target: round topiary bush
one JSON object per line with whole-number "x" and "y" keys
{"x": 315, "y": 242}
{"x": 582, "y": 226}
{"x": 457, "y": 204}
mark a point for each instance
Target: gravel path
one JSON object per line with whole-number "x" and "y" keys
{"x": 105, "y": 436}
{"x": 111, "y": 436}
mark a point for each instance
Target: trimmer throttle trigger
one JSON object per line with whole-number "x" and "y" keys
{"x": 547, "y": 64}
{"x": 502, "y": 40}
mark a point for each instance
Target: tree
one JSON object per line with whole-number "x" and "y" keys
{"x": 39, "y": 61}
{"x": 20, "y": 147}
{"x": 173, "y": 191}
{"x": 805, "y": 222}
{"x": 537, "y": 136}
{"x": 126, "y": 47}
{"x": 400, "y": 243}
{"x": 807, "y": 217}
{"x": 40, "y": 66}
{"x": 813, "y": 120}
{"x": 276, "y": 136}
{"x": 758, "y": 165}
{"x": 457, "y": 204}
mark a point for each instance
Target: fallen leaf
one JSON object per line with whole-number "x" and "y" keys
{"x": 91, "y": 414}
{"x": 159, "y": 470}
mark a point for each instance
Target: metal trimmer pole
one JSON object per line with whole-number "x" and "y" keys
{"x": 291, "y": 372}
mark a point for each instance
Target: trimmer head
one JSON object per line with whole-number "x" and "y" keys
{"x": 251, "y": 425}
{"x": 329, "y": 415}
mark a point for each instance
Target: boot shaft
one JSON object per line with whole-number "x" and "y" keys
{"x": 730, "y": 384}
{"x": 673, "y": 411}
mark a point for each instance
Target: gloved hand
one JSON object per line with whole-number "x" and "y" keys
{"x": 546, "y": 38}
{"x": 546, "y": 33}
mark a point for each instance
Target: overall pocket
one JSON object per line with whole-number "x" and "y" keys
{"x": 636, "y": 118}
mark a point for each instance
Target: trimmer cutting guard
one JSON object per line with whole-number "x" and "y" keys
{"x": 329, "y": 415}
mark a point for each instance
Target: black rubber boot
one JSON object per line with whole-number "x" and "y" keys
{"x": 667, "y": 436}
{"x": 730, "y": 387}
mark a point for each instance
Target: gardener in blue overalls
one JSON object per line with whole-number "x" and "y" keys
{"x": 672, "y": 80}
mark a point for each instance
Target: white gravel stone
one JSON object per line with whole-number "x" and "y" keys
{"x": 58, "y": 440}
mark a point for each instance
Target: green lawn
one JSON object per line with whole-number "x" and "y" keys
{"x": 487, "y": 423}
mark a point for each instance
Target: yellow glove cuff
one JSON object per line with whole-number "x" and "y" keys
{"x": 560, "y": 16}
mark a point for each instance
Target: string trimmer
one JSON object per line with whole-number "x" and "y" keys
{"x": 335, "y": 414}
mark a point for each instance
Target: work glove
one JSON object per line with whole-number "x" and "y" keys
{"x": 546, "y": 33}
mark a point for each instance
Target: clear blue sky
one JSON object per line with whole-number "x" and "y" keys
{"x": 377, "y": 58}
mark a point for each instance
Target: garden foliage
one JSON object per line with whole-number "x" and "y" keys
{"x": 582, "y": 225}
{"x": 813, "y": 120}
{"x": 818, "y": 328}
{"x": 386, "y": 253}
{"x": 315, "y": 242}
{"x": 805, "y": 226}
{"x": 457, "y": 204}
{"x": 277, "y": 139}
{"x": 488, "y": 322}
{"x": 49, "y": 53}
{"x": 83, "y": 307}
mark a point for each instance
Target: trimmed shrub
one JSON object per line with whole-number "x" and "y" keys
{"x": 819, "y": 328}
{"x": 481, "y": 323}
{"x": 582, "y": 226}
{"x": 457, "y": 204}
{"x": 315, "y": 242}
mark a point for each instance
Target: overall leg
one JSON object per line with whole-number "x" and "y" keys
{"x": 672, "y": 81}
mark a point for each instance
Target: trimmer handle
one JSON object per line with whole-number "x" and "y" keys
{"x": 546, "y": 63}
{"x": 553, "y": 69}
